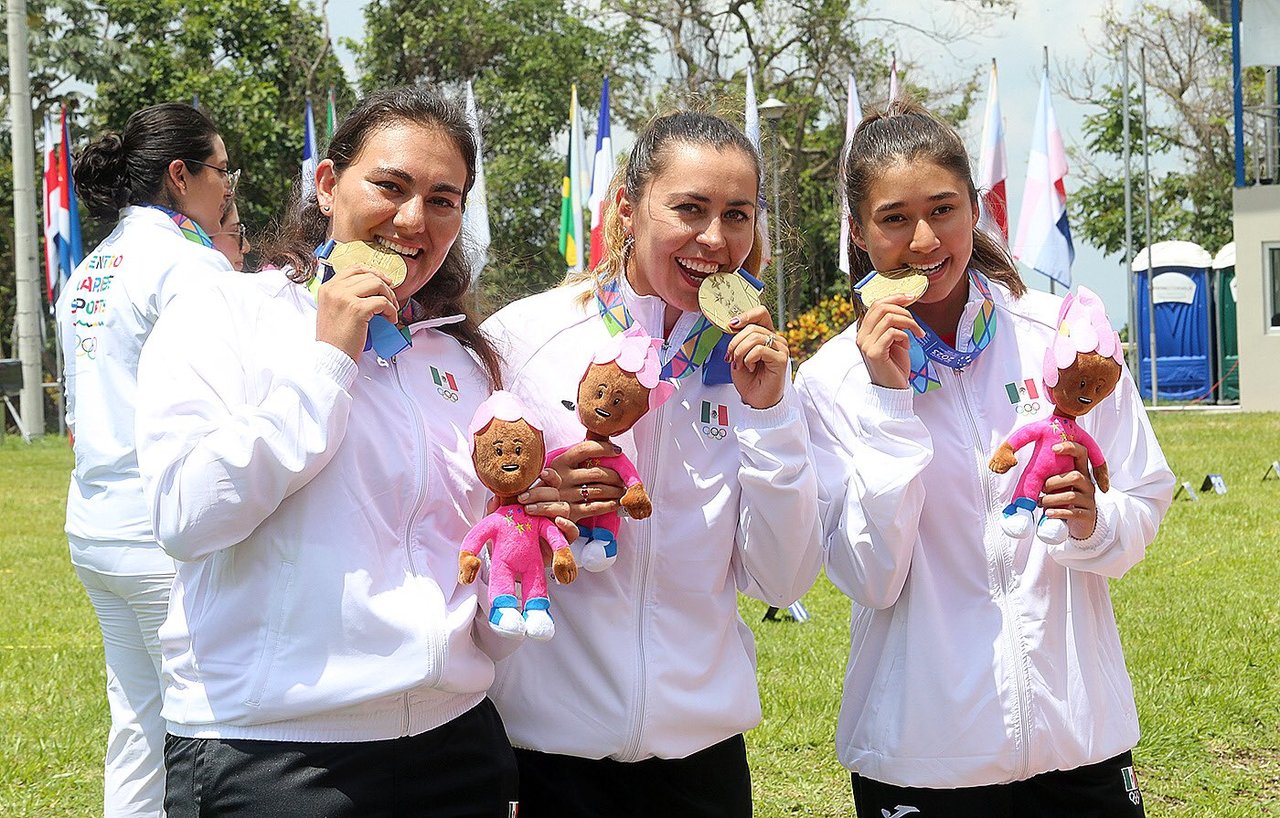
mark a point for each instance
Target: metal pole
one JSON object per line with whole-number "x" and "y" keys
{"x": 1146, "y": 193}
{"x": 1126, "y": 152}
{"x": 779, "y": 283}
{"x": 1237, "y": 91}
{"x": 26, "y": 273}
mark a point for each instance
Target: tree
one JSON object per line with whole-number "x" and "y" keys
{"x": 1189, "y": 100}
{"x": 522, "y": 56}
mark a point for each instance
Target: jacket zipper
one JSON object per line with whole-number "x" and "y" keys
{"x": 637, "y": 717}
{"x": 420, "y": 451}
{"x": 1013, "y": 654}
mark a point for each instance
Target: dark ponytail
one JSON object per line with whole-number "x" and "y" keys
{"x": 128, "y": 168}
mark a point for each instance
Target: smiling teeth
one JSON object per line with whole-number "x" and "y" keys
{"x": 391, "y": 245}
{"x": 931, "y": 268}
{"x": 700, "y": 267}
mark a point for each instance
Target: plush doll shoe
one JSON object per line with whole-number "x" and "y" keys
{"x": 601, "y": 552}
{"x": 1018, "y": 522}
{"x": 505, "y": 618}
{"x": 537, "y": 619}
{"x": 1051, "y": 530}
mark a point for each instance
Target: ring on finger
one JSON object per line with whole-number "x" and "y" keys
{"x": 769, "y": 343}
{"x": 584, "y": 492}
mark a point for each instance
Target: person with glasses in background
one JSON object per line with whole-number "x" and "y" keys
{"x": 231, "y": 239}
{"x": 165, "y": 180}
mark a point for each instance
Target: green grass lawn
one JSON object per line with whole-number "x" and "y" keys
{"x": 1199, "y": 617}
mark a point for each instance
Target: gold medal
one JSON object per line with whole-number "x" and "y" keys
{"x": 721, "y": 296}
{"x": 895, "y": 282}
{"x": 348, "y": 254}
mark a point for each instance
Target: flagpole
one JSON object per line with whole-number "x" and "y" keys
{"x": 1126, "y": 152}
{"x": 26, "y": 273}
{"x": 1151, "y": 288}
{"x": 1052, "y": 289}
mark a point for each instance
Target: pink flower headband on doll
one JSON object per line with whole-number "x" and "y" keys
{"x": 634, "y": 351}
{"x": 1082, "y": 327}
{"x": 502, "y": 405}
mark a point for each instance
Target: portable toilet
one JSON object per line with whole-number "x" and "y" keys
{"x": 1176, "y": 283}
{"x": 1224, "y": 313}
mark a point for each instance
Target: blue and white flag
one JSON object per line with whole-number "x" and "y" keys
{"x": 1044, "y": 236}
{"x": 309, "y": 160}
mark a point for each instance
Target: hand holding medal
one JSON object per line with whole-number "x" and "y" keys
{"x": 357, "y": 295}
{"x": 757, "y": 355}
{"x": 884, "y": 332}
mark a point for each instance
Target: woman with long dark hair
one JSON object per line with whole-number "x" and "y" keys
{"x": 163, "y": 180}
{"x": 321, "y": 656}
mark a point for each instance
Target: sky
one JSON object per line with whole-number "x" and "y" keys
{"x": 1068, "y": 27}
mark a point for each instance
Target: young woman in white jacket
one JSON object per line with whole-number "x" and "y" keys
{"x": 321, "y": 657}
{"x": 984, "y": 679}
{"x": 165, "y": 178}
{"x": 654, "y": 672}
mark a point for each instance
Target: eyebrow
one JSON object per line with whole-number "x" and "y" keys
{"x": 698, "y": 197}
{"x": 438, "y": 187}
{"x": 937, "y": 197}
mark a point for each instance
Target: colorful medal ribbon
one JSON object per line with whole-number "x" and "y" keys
{"x": 190, "y": 230}
{"x": 385, "y": 338}
{"x": 932, "y": 349}
{"x": 698, "y": 346}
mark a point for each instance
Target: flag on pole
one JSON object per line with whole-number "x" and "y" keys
{"x": 52, "y": 202}
{"x": 601, "y": 174}
{"x": 332, "y": 116}
{"x": 1044, "y": 237}
{"x": 69, "y": 251}
{"x": 852, "y": 116}
{"x": 893, "y": 76}
{"x": 475, "y": 217}
{"x": 309, "y": 160}
{"x": 571, "y": 198}
{"x": 751, "y": 125}
{"x": 993, "y": 169}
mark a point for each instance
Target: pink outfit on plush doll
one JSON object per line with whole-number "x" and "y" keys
{"x": 515, "y": 553}
{"x": 1084, "y": 335}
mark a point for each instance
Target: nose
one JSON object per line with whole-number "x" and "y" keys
{"x": 411, "y": 215}
{"x": 924, "y": 240}
{"x": 712, "y": 236}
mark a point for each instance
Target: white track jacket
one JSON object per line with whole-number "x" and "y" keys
{"x": 650, "y": 657}
{"x": 315, "y": 507}
{"x": 105, "y": 313}
{"x": 974, "y": 660}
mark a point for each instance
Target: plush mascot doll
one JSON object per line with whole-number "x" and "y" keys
{"x": 620, "y": 385}
{"x": 1081, "y": 368}
{"x": 507, "y": 449}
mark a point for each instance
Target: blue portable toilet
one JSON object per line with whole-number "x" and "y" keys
{"x": 1176, "y": 282}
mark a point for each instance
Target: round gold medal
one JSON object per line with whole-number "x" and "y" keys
{"x": 882, "y": 285}
{"x": 721, "y": 296}
{"x": 348, "y": 254}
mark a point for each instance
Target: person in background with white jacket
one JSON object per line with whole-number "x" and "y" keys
{"x": 654, "y": 669}
{"x": 230, "y": 239}
{"x": 320, "y": 656}
{"x": 165, "y": 178}
{"x": 984, "y": 679}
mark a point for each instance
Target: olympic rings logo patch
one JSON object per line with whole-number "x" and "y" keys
{"x": 715, "y": 432}
{"x": 447, "y": 394}
{"x": 1027, "y": 408}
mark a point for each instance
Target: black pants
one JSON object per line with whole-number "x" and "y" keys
{"x": 463, "y": 768}
{"x": 714, "y": 783}
{"x": 1108, "y": 789}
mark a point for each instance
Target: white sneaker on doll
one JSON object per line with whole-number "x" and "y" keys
{"x": 507, "y": 621}
{"x": 1051, "y": 530}
{"x": 1017, "y": 524}
{"x": 537, "y": 619}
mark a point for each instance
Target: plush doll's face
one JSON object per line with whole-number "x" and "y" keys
{"x": 610, "y": 400}
{"x": 508, "y": 456}
{"x": 1085, "y": 383}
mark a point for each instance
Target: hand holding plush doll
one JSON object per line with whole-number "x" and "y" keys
{"x": 507, "y": 449}
{"x": 1081, "y": 368}
{"x": 620, "y": 385}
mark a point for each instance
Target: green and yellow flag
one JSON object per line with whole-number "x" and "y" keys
{"x": 571, "y": 190}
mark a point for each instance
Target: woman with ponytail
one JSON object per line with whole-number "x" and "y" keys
{"x": 321, "y": 656}
{"x": 659, "y": 669}
{"x": 164, "y": 178}
{"x": 985, "y": 676}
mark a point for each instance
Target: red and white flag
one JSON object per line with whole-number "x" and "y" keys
{"x": 993, "y": 169}
{"x": 893, "y": 77}
{"x": 52, "y": 203}
{"x": 602, "y": 170}
{"x": 852, "y": 116}
{"x": 1044, "y": 236}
